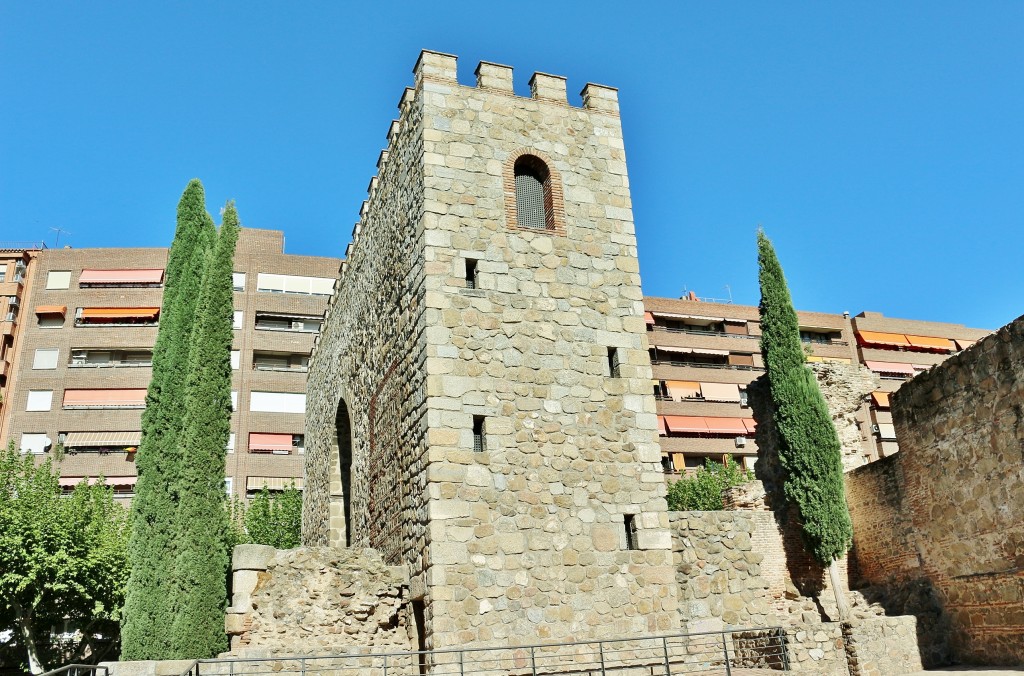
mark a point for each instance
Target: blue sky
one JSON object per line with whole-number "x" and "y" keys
{"x": 879, "y": 144}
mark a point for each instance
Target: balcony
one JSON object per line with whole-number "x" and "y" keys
{"x": 706, "y": 365}
{"x": 109, "y": 359}
{"x": 702, "y": 332}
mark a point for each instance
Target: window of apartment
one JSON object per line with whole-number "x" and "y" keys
{"x": 58, "y": 279}
{"x": 311, "y": 286}
{"x": 234, "y": 400}
{"x": 277, "y": 402}
{"x": 533, "y": 193}
{"x": 35, "y": 443}
{"x": 39, "y": 400}
{"x": 230, "y": 448}
{"x": 229, "y": 483}
{"x": 86, "y": 358}
{"x": 270, "y": 442}
{"x": 45, "y": 358}
{"x": 50, "y": 321}
{"x": 121, "y": 278}
{"x": 3, "y": 274}
{"x": 270, "y": 321}
{"x": 479, "y": 434}
{"x": 820, "y": 336}
{"x": 236, "y": 359}
{"x": 299, "y": 442}
{"x": 117, "y": 316}
{"x": 274, "y": 484}
{"x": 102, "y": 443}
{"x": 280, "y": 361}
{"x": 238, "y": 281}
{"x": 471, "y": 274}
{"x": 238, "y": 319}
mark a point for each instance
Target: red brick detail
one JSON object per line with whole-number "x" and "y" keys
{"x": 554, "y": 201}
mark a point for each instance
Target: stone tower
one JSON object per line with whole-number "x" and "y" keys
{"x": 480, "y": 407}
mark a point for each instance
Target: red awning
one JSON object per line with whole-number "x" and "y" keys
{"x": 104, "y": 398}
{"x": 261, "y": 441}
{"x": 686, "y": 423}
{"x": 72, "y": 481}
{"x": 750, "y": 425}
{"x": 143, "y": 276}
{"x": 890, "y": 367}
{"x": 730, "y": 426}
{"x": 649, "y": 318}
{"x": 662, "y": 427}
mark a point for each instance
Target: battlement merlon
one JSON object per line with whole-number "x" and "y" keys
{"x": 442, "y": 68}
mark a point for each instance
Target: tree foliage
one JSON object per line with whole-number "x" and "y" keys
{"x": 703, "y": 490}
{"x": 62, "y": 564}
{"x": 809, "y": 449}
{"x": 199, "y": 591}
{"x": 275, "y": 520}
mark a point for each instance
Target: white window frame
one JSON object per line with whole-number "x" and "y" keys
{"x": 230, "y": 448}
{"x": 56, "y": 279}
{"x": 238, "y": 320}
{"x": 236, "y": 359}
{"x": 39, "y": 400}
{"x": 238, "y": 281}
{"x": 34, "y": 442}
{"x": 45, "y": 358}
{"x": 277, "y": 402}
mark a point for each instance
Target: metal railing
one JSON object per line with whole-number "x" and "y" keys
{"x": 708, "y": 653}
{"x": 79, "y": 670}
{"x": 705, "y": 365}
{"x": 699, "y": 332}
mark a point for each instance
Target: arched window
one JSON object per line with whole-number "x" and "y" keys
{"x": 533, "y": 193}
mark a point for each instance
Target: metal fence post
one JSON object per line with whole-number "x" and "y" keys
{"x": 784, "y": 648}
{"x": 725, "y": 650}
{"x": 533, "y": 662}
{"x": 664, "y": 647}
{"x": 385, "y": 664}
{"x": 600, "y": 650}
{"x": 462, "y": 668}
{"x": 302, "y": 666}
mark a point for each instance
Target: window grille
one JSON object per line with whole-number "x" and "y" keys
{"x": 479, "y": 443}
{"x": 629, "y": 521}
{"x": 613, "y": 362}
{"x": 470, "y": 273}
{"x": 530, "y": 201}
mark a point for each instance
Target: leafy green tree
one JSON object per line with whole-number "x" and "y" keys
{"x": 703, "y": 490}
{"x": 62, "y": 563}
{"x": 275, "y": 520}
{"x": 199, "y": 589}
{"x": 809, "y": 449}
{"x": 148, "y": 614}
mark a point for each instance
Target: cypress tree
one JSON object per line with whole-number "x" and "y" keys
{"x": 809, "y": 449}
{"x": 147, "y": 617}
{"x": 199, "y": 591}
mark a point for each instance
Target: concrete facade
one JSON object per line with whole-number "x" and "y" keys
{"x": 62, "y": 351}
{"x": 498, "y": 432}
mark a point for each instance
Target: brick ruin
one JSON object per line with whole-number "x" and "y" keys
{"x": 939, "y": 527}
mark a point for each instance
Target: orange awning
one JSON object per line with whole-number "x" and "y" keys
{"x": 260, "y": 441}
{"x": 731, "y": 426}
{"x": 750, "y": 425}
{"x": 929, "y": 343}
{"x": 682, "y": 389}
{"x": 118, "y": 312}
{"x": 143, "y": 276}
{"x": 879, "y": 338}
{"x": 662, "y": 428}
{"x": 880, "y": 399}
{"x": 686, "y": 423}
{"x": 964, "y": 344}
{"x": 720, "y": 392}
{"x": 679, "y": 462}
{"x": 51, "y": 309}
{"x": 649, "y": 318}
{"x": 107, "y": 398}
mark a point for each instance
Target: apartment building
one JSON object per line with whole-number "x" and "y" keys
{"x": 705, "y": 354}
{"x": 17, "y": 270}
{"x": 86, "y": 360}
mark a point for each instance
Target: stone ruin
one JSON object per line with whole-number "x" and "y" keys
{"x": 482, "y": 464}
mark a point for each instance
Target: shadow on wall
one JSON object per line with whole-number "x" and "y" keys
{"x": 807, "y": 575}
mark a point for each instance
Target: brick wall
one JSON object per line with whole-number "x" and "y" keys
{"x": 946, "y": 512}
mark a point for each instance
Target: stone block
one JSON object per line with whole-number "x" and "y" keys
{"x": 251, "y": 557}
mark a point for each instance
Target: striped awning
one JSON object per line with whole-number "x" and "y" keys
{"x": 72, "y": 481}
{"x": 79, "y": 439}
{"x": 140, "y": 276}
{"x": 889, "y": 367}
{"x": 271, "y": 483}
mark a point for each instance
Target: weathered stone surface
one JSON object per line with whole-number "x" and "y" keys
{"x": 939, "y": 527}
{"x": 251, "y": 557}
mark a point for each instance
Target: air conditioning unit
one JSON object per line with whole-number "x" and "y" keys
{"x": 14, "y": 301}
{"x": 297, "y": 325}
{"x": 741, "y": 442}
{"x": 78, "y": 358}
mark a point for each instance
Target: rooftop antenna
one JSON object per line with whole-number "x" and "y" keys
{"x": 728, "y": 290}
{"x": 56, "y": 241}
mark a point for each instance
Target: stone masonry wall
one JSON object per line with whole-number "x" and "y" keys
{"x": 946, "y": 513}
{"x": 315, "y": 601}
{"x": 369, "y": 361}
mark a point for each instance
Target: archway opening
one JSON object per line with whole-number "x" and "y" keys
{"x": 343, "y": 428}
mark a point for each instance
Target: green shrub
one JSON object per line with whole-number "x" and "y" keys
{"x": 703, "y": 490}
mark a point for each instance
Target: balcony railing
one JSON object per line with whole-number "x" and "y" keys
{"x": 699, "y": 332}
{"x": 735, "y": 367}
{"x": 113, "y": 364}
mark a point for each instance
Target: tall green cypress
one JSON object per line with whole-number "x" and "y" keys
{"x": 147, "y": 617}
{"x": 199, "y": 592}
{"x": 809, "y": 449}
